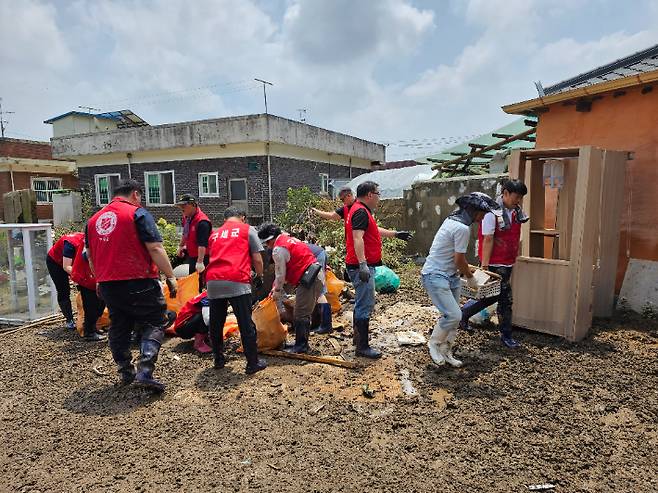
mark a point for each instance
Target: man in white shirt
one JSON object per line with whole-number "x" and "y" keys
{"x": 440, "y": 273}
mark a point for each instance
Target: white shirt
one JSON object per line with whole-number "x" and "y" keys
{"x": 452, "y": 237}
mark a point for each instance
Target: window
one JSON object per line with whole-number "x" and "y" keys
{"x": 159, "y": 187}
{"x": 324, "y": 183}
{"x": 238, "y": 191}
{"x": 104, "y": 186}
{"x": 208, "y": 185}
{"x": 44, "y": 188}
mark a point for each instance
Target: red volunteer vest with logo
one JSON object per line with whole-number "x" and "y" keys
{"x": 57, "y": 251}
{"x": 190, "y": 241}
{"x": 116, "y": 250}
{"x": 301, "y": 257}
{"x": 506, "y": 243}
{"x": 230, "y": 259}
{"x": 81, "y": 273}
{"x": 191, "y": 308}
{"x": 372, "y": 241}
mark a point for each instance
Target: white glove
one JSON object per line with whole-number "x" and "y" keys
{"x": 472, "y": 283}
{"x": 200, "y": 267}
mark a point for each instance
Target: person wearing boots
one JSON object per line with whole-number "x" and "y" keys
{"x": 196, "y": 231}
{"x": 325, "y": 308}
{"x": 59, "y": 263}
{"x": 364, "y": 252}
{"x": 125, "y": 252}
{"x": 346, "y": 196}
{"x": 440, "y": 273}
{"x": 498, "y": 247}
{"x": 234, "y": 249}
{"x": 192, "y": 321}
{"x": 82, "y": 275}
{"x": 294, "y": 264}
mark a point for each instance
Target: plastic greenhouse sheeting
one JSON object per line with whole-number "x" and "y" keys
{"x": 393, "y": 181}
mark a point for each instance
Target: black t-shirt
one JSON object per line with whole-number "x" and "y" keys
{"x": 203, "y": 230}
{"x": 341, "y": 211}
{"x": 360, "y": 220}
{"x": 69, "y": 250}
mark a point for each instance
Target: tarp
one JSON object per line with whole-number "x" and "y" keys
{"x": 393, "y": 181}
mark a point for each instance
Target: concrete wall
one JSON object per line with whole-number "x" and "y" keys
{"x": 286, "y": 173}
{"x": 79, "y": 124}
{"x": 429, "y": 202}
{"x": 627, "y": 122}
{"x": 223, "y": 131}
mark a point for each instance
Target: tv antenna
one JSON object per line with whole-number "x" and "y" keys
{"x": 2, "y": 119}
{"x": 302, "y": 114}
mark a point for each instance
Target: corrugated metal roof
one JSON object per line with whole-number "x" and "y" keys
{"x": 637, "y": 63}
{"x": 513, "y": 128}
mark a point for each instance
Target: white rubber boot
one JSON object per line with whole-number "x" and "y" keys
{"x": 446, "y": 350}
{"x": 438, "y": 336}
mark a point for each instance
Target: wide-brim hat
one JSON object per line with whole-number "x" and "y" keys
{"x": 480, "y": 201}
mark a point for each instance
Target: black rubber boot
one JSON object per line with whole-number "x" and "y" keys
{"x": 363, "y": 347}
{"x": 250, "y": 346}
{"x": 302, "y": 331}
{"x": 149, "y": 349}
{"x": 126, "y": 371}
{"x": 325, "y": 325}
{"x": 94, "y": 337}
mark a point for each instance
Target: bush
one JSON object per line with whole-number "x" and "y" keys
{"x": 170, "y": 240}
{"x": 299, "y": 221}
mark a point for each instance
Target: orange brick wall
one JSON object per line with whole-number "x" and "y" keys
{"x": 23, "y": 180}
{"x": 628, "y": 122}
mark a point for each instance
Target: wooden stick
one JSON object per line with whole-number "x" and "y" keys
{"x": 315, "y": 359}
{"x": 39, "y": 321}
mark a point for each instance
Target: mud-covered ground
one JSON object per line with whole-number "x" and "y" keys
{"x": 583, "y": 417}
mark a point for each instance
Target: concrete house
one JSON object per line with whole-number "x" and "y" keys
{"x": 29, "y": 164}
{"x": 249, "y": 161}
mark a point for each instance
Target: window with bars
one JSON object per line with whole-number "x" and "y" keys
{"x": 160, "y": 189}
{"x": 44, "y": 188}
{"x": 105, "y": 184}
{"x": 208, "y": 185}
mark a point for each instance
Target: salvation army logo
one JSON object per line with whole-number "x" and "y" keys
{"x": 106, "y": 223}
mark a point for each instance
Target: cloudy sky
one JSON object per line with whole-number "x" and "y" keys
{"x": 385, "y": 70}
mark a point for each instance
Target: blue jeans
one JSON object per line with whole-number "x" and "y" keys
{"x": 444, "y": 292}
{"x": 364, "y": 299}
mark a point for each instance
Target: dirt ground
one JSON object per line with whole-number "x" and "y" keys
{"x": 583, "y": 417}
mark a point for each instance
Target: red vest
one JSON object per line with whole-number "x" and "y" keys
{"x": 230, "y": 259}
{"x": 116, "y": 250}
{"x": 190, "y": 241}
{"x": 372, "y": 241}
{"x": 81, "y": 273}
{"x": 506, "y": 243}
{"x": 57, "y": 251}
{"x": 301, "y": 257}
{"x": 191, "y": 308}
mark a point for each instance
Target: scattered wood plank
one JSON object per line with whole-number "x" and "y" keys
{"x": 34, "y": 323}
{"x": 315, "y": 359}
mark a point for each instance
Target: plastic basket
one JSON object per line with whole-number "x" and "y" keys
{"x": 487, "y": 290}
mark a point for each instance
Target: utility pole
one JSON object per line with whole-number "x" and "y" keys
{"x": 264, "y": 82}
{"x": 2, "y": 119}
{"x": 267, "y": 145}
{"x": 302, "y": 114}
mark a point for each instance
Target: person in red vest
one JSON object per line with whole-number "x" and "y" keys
{"x": 364, "y": 252}
{"x": 196, "y": 231}
{"x": 59, "y": 262}
{"x": 498, "y": 247}
{"x": 125, "y": 252}
{"x": 82, "y": 275}
{"x": 234, "y": 250}
{"x": 346, "y": 196}
{"x": 192, "y": 322}
{"x": 294, "y": 264}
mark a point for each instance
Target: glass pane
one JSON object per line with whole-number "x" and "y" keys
{"x": 167, "y": 181}
{"x": 38, "y": 185}
{"x": 154, "y": 189}
{"x": 43, "y": 299}
{"x": 42, "y": 196}
{"x": 212, "y": 185}
{"x": 204, "y": 184}
{"x": 13, "y": 281}
{"x": 103, "y": 195}
{"x": 54, "y": 184}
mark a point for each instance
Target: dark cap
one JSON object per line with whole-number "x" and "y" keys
{"x": 479, "y": 201}
{"x": 186, "y": 198}
{"x": 268, "y": 231}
